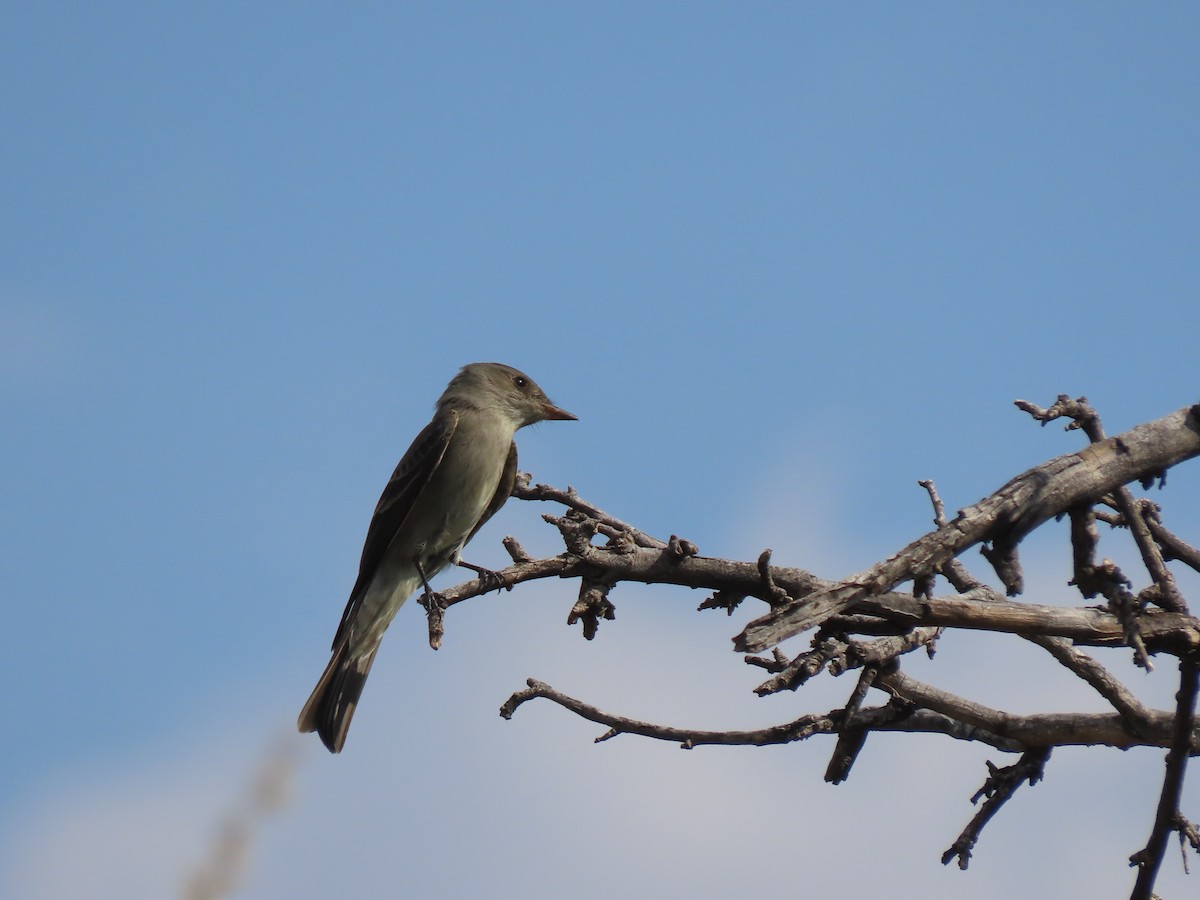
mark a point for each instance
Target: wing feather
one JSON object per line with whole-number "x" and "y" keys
{"x": 409, "y": 479}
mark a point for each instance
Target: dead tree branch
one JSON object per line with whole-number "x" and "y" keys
{"x": 1168, "y": 817}
{"x": 1032, "y": 498}
{"x": 864, "y": 623}
{"x": 1001, "y": 784}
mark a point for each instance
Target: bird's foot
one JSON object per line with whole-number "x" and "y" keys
{"x": 492, "y": 581}
{"x": 432, "y": 600}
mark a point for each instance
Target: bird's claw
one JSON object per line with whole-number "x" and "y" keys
{"x": 432, "y": 599}
{"x": 492, "y": 580}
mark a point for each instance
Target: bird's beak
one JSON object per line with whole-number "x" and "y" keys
{"x": 550, "y": 411}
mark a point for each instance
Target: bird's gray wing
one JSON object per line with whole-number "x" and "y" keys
{"x": 508, "y": 478}
{"x": 405, "y": 486}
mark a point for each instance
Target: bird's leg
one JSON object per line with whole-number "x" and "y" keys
{"x": 435, "y": 607}
{"x": 492, "y": 580}
{"x": 431, "y": 596}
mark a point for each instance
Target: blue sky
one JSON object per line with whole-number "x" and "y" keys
{"x": 782, "y": 260}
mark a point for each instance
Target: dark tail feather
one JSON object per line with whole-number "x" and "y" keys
{"x": 331, "y": 707}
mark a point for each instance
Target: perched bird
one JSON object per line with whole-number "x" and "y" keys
{"x": 455, "y": 476}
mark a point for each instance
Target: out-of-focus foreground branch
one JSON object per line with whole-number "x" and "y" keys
{"x": 866, "y": 624}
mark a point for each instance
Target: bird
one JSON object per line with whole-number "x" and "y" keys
{"x": 458, "y": 472}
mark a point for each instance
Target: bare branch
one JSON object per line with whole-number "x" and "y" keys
{"x": 843, "y": 655}
{"x": 1018, "y": 507}
{"x": 1001, "y": 784}
{"x": 1168, "y": 816}
{"x": 1078, "y": 662}
{"x": 775, "y": 595}
{"x": 867, "y": 623}
{"x": 571, "y": 500}
{"x": 1189, "y": 836}
{"x": 435, "y": 614}
{"x": 1002, "y": 554}
{"x": 852, "y": 738}
{"x": 1085, "y": 538}
{"x": 891, "y": 717}
{"x": 726, "y": 600}
{"x": 1094, "y": 626}
{"x": 1168, "y": 596}
{"x": 1104, "y": 682}
{"x": 592, "y": 606}
{"x": 1039, "y": 730}
{"x": 801, "y": 728}
{"x": 1173, "y": 547}
{"x": 515, "y": 550}
{"x": 1086, "y": 418}
{"x": 939, "y": 508}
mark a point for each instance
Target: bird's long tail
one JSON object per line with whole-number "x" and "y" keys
{"x": 331, "y": 707}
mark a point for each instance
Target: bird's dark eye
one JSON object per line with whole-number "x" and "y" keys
{"x": 520, "y": 381}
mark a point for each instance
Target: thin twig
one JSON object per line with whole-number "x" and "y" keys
{"x": 852, "y": 739}
{"x": 570, "y": 499}
{"x": 1149, "y": 859}
{"x": 1173, "y": 547}
{"x": 894, "y": 716}
{"x": 1001, "y": 784}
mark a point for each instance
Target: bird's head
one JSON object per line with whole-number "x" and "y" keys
{"x": 504, "y": 389}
